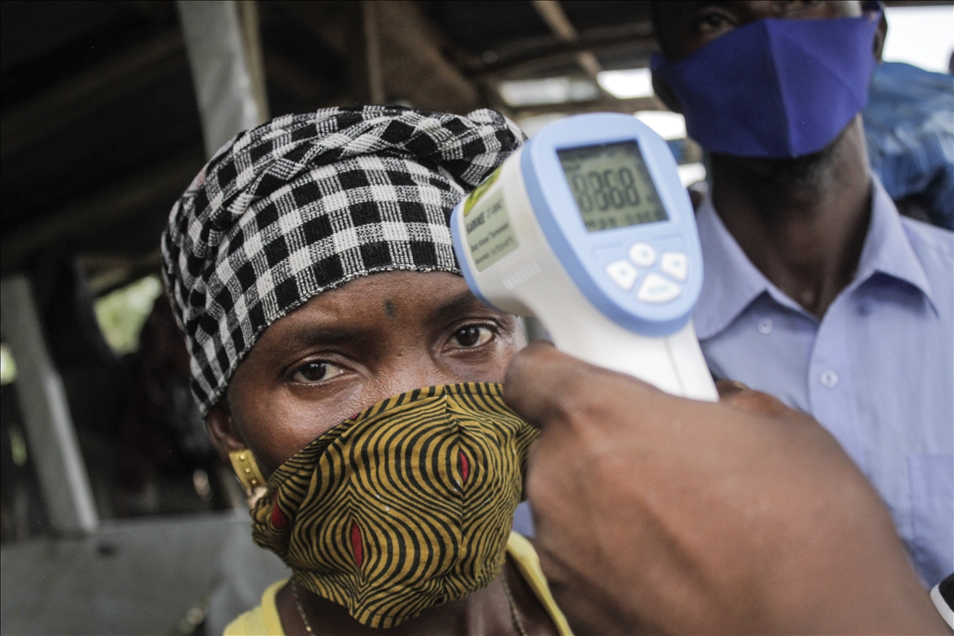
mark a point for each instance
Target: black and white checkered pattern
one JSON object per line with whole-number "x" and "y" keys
{"x": 305, "y": 203}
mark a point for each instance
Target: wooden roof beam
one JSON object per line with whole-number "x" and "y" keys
{"x": 553, "y": 14}
{"x": 89, "y": 91}
{"x": 414, "y": 66}
{"x": 159, "y": 184}
{"x": 410, "y": 55}
{"x": 613, "y": 105}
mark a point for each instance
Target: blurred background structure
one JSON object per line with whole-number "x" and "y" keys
{"x": 116, "y": 516}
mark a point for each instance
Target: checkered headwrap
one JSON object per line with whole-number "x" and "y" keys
{"x": 305, "y": 203}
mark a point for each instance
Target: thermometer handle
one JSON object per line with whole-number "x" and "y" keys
{"x": 673, "y": 363}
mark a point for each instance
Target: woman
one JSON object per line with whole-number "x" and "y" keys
{"x": 338, "y": 355}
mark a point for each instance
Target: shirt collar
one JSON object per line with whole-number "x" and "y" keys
{"x": 887, "y": 249}
{"x": 732, "y": 282}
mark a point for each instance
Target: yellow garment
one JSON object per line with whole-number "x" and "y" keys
{"x": 261, "y": 621}
{"x": 528, "y": 563}
{"x": 264, "y": 619}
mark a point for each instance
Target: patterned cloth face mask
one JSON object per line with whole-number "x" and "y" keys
{"x": 405, "y": 506}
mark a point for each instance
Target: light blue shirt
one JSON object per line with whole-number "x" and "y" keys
{"x": 877, "y": 371}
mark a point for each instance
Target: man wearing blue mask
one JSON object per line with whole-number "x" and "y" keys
{"x": 816, "y": 290}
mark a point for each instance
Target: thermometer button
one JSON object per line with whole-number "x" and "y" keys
{"x": 675, "y": 264}
{"x": 642, "y": 254}
{"x": 656, "y": 289}
{"x": 623, "y": 274}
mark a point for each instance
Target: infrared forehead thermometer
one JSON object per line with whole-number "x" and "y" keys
{"x": 588, "y": 228}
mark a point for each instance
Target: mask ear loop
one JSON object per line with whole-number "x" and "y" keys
{"x": 247, "y": 470}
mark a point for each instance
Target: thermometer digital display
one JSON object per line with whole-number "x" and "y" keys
{"x": 611, "y": 186}
{"x": 588, "y": 228}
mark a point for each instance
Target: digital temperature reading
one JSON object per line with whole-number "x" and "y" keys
{"x": 611, "y": 186}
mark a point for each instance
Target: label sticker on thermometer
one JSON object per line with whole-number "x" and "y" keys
{"x": 490, "y": 234}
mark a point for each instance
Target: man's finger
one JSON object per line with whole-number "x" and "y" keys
{"x": 752, "y": 401}
{"x": 544, "y": 385}
{"x": 533, "y": 379}
{"x": 729, "y": 387}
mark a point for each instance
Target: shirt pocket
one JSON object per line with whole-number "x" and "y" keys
{"x": 932, "y": 515}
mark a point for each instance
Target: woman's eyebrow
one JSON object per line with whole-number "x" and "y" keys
{"x": 459, "y": 304}
{"x": 310, "y": 336}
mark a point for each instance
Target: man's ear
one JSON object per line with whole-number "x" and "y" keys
{"x": 880, "y": 36}
{"x": 666, "y": 94}
{"x": 222, "y": 432}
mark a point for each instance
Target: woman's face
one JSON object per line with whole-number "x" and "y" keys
{"x": 352, "y": 347}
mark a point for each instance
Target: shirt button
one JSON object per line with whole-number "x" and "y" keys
{"x": 765, "y": 326}
{"x": 829, "y": 379}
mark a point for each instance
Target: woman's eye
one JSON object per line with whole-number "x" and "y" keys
{"x": 316, "y": 372}
{"x": 471, "y": 336}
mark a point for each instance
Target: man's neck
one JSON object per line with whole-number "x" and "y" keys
{"x": 801, "y": 222}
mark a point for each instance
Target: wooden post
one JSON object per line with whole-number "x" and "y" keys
{"x": 224, "y": 51}
{"x": 51, "y": 437}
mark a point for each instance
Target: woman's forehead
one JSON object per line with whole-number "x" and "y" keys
{"x": 371, "y": 314}
{"x": 385, "y": 297}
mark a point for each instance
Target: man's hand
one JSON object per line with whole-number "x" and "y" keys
{"x": 660, "y": 514}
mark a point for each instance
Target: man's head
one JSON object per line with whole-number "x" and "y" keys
{"x": 768, "y": 80}
{"x": 684, "y": 27}
{"x": 311, "y": 269}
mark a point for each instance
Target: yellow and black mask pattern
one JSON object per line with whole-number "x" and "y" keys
{"x": 403, "y": 507}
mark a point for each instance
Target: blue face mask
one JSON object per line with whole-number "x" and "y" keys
{"x": 775, "y": 88}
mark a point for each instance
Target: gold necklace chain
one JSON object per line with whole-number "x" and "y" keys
{"x": 301, "y": 610}
{"x": 513, "y": 606}
{"x": 503, "y": 579}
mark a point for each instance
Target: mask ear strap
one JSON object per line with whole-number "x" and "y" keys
{"x": 246, "y": 469}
